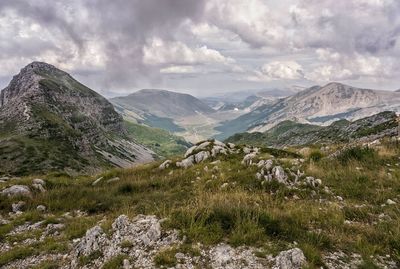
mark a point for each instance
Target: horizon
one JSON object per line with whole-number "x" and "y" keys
{"x": 205, "y": 48}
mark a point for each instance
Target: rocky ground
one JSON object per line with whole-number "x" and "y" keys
{"x": 220, "y": 206}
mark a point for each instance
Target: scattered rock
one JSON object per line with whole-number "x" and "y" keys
{"x": 114, "y": 179}
{"x": 290, "y": 259}
{"x": 186, "y": 163}
{"x": 17, "y": 190}
{"x": 41, "y": 208}
{"x": 165, "y": 165}
{"x": 248, "y": 158}
{"x": 201, "y": 156}
{"x": 18, "y": 207}
{"x": 312, "y": 182}
{"x": 39, "y": 181}
{"x": 390, "y": 202}
{"x": 224, "y": 256}
{"x": 279, "y": 175}
{"x": 39, "y": 187}
{"x": 97, "y": 181}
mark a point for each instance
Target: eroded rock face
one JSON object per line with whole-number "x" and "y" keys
{"x": 143, "y": 234}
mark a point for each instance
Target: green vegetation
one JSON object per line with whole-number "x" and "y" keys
{"x": 289, "y": 133}
{"x": 268, "y": 216}
{"x": 160, "y": 141}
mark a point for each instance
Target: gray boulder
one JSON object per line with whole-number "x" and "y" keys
{"x": 39, "y": 181}
{"x": 186, "y": 163}
{"x": 17, "y": 190}
{"x": 165, "y": 165}
{"x": 201, "y": 156}
{"x": 290, "y": 259}
{"x": 279, "y": 175}
{"x": 18, "y": 207}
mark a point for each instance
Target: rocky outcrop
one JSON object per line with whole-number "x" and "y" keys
{"x": 204, "y": 151}
{"x": 142, "y": 239}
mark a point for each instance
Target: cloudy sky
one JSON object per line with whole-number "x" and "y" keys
{"x": 205, "y": 46}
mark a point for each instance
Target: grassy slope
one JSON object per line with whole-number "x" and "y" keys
{"x": 246, "y": 212}
{"x": 161, "y": 141}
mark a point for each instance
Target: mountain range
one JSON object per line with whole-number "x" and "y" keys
{"x": 290, "y": 133}
{"x": 49, "y": 121}
{"x": 316, "y": 105}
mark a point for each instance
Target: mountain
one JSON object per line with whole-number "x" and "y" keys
{"x": 50, "y": 122}
{"x": 316, "y": 105}
{"x": 289, "y": 133}
{"x": 158, "y": 108}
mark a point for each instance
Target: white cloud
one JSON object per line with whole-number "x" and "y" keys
{"x": 279, "y": 70}
{"x": 178, "y": 69}
{"x": 159, "y": 52}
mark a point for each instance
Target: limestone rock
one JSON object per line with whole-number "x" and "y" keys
{"x": 165, "y": 165}
{"x": 17, "y": 190}
{"x": 290, "y": 259}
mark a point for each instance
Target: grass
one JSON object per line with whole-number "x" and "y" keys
{"x": 160, "y": 141}
{"x": 244, "y": 213}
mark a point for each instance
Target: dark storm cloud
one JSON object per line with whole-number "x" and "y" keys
{"x": 122, "y": 26}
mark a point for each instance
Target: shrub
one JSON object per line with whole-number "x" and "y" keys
{"x": 361, "y": 154}
{"x": 316, "y": 155}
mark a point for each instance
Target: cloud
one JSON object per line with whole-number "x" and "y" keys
{"x": 115, "y": 46}
{"x": 279, "y": 70}
{"x": 159, "y": 52}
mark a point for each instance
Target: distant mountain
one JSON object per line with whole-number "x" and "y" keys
{"x": 316, "y": 105}
{"x": 289, "y": 133}
{"x": 51, "y": 122}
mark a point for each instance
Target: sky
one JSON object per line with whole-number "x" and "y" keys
{"x": 205, "y": 47}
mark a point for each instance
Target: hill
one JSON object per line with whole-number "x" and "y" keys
{"x": 159, "y": 108}
{"x": 289, "y": 133}
{"x": 51, "y": 122}
{"x": 219, "y": 206}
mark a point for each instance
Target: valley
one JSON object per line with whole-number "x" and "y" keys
{"x": 141, "y": 182}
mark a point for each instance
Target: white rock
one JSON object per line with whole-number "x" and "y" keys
{"x": 114, "y": 179}
{"x": 279, "y": 175}
{"x": 39, "y": 181}
{"x": 290, "y": 259}
{"x": 165, "y": 164}
{"x": 41, "y": 208}
{"x": 248, "y": 159}
{"x": 39, "y": 187}
{"x": 390, "y": 202}
{"x": 17, "y": 190}
{"x": 17, "y": 207}
{"x": 201, "y": 156}
{"x": 126, "y": 264}
{"x": 190, "y": 151}
{"x": 186, "y": 163}
{"x": 97, "y": 181}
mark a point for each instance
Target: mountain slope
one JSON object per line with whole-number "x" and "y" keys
{"x": 158, "y": 108}
{"x": 160, "y": 141}
{"x": 49, "y": 121}
{"x": 289, "y": 133}
{"x": 319, "y": 105}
